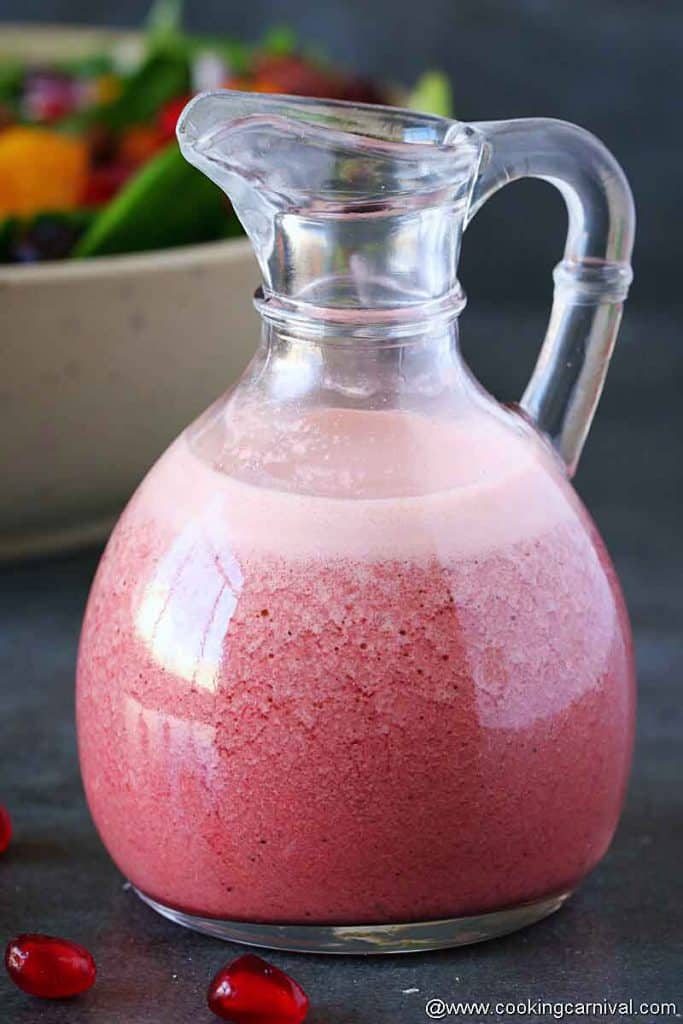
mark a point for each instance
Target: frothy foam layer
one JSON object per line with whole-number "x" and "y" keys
{"x": 446, "y": 490}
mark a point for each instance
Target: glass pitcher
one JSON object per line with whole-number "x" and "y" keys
{"x": 356, "y": 672}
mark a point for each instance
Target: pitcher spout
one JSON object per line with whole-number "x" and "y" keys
{"x": 402, "y": 152}
{"x": 345, "y": 204}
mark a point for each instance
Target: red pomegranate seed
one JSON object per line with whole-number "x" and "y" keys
{"x": 251, "y": 991}
{"x": 5, "y": 829}
{"x": 50, "y": 968}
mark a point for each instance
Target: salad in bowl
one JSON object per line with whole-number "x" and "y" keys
{"x": 88, "y": 158}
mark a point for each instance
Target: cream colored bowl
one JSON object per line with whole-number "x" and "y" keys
{"x": 104, "y": 361}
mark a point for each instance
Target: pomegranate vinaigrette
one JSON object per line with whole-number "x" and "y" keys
{"x": 265, "y": 666}
{"x": 355, "y": 673}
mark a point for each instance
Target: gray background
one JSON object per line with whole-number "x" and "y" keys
{"x": 615, "y": 66}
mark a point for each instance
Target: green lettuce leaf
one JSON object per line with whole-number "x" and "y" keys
{"x": 166, "y": 203}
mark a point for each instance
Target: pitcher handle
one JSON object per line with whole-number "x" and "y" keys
{"x": 591, "y": 281}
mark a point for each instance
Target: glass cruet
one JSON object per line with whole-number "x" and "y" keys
{"x": 355, "y": 673}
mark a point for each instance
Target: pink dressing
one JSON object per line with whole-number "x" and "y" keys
{"x": 375, "y": 668}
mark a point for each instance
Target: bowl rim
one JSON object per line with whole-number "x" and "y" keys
{"x": 34, "y": 36}
{"x": 229, "y": 251}
{"x": 75, "y": 37}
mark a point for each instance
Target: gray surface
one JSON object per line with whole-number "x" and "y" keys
{"x": 620, "y": 937}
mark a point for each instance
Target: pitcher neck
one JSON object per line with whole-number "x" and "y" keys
{"x": 378, "y": 260}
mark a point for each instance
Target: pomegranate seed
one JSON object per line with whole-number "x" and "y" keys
{"x": 50, "y": 968}
{"x": 251, "y": 991}
{"x": 5, "y": 829}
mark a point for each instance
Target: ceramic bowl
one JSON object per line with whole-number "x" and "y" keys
{"x": 104, "y": 361}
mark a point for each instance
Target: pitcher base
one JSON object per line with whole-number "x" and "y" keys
{"x": 413, "y": 937}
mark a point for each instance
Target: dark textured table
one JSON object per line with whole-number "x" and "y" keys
{"x": 620, "y": 937}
